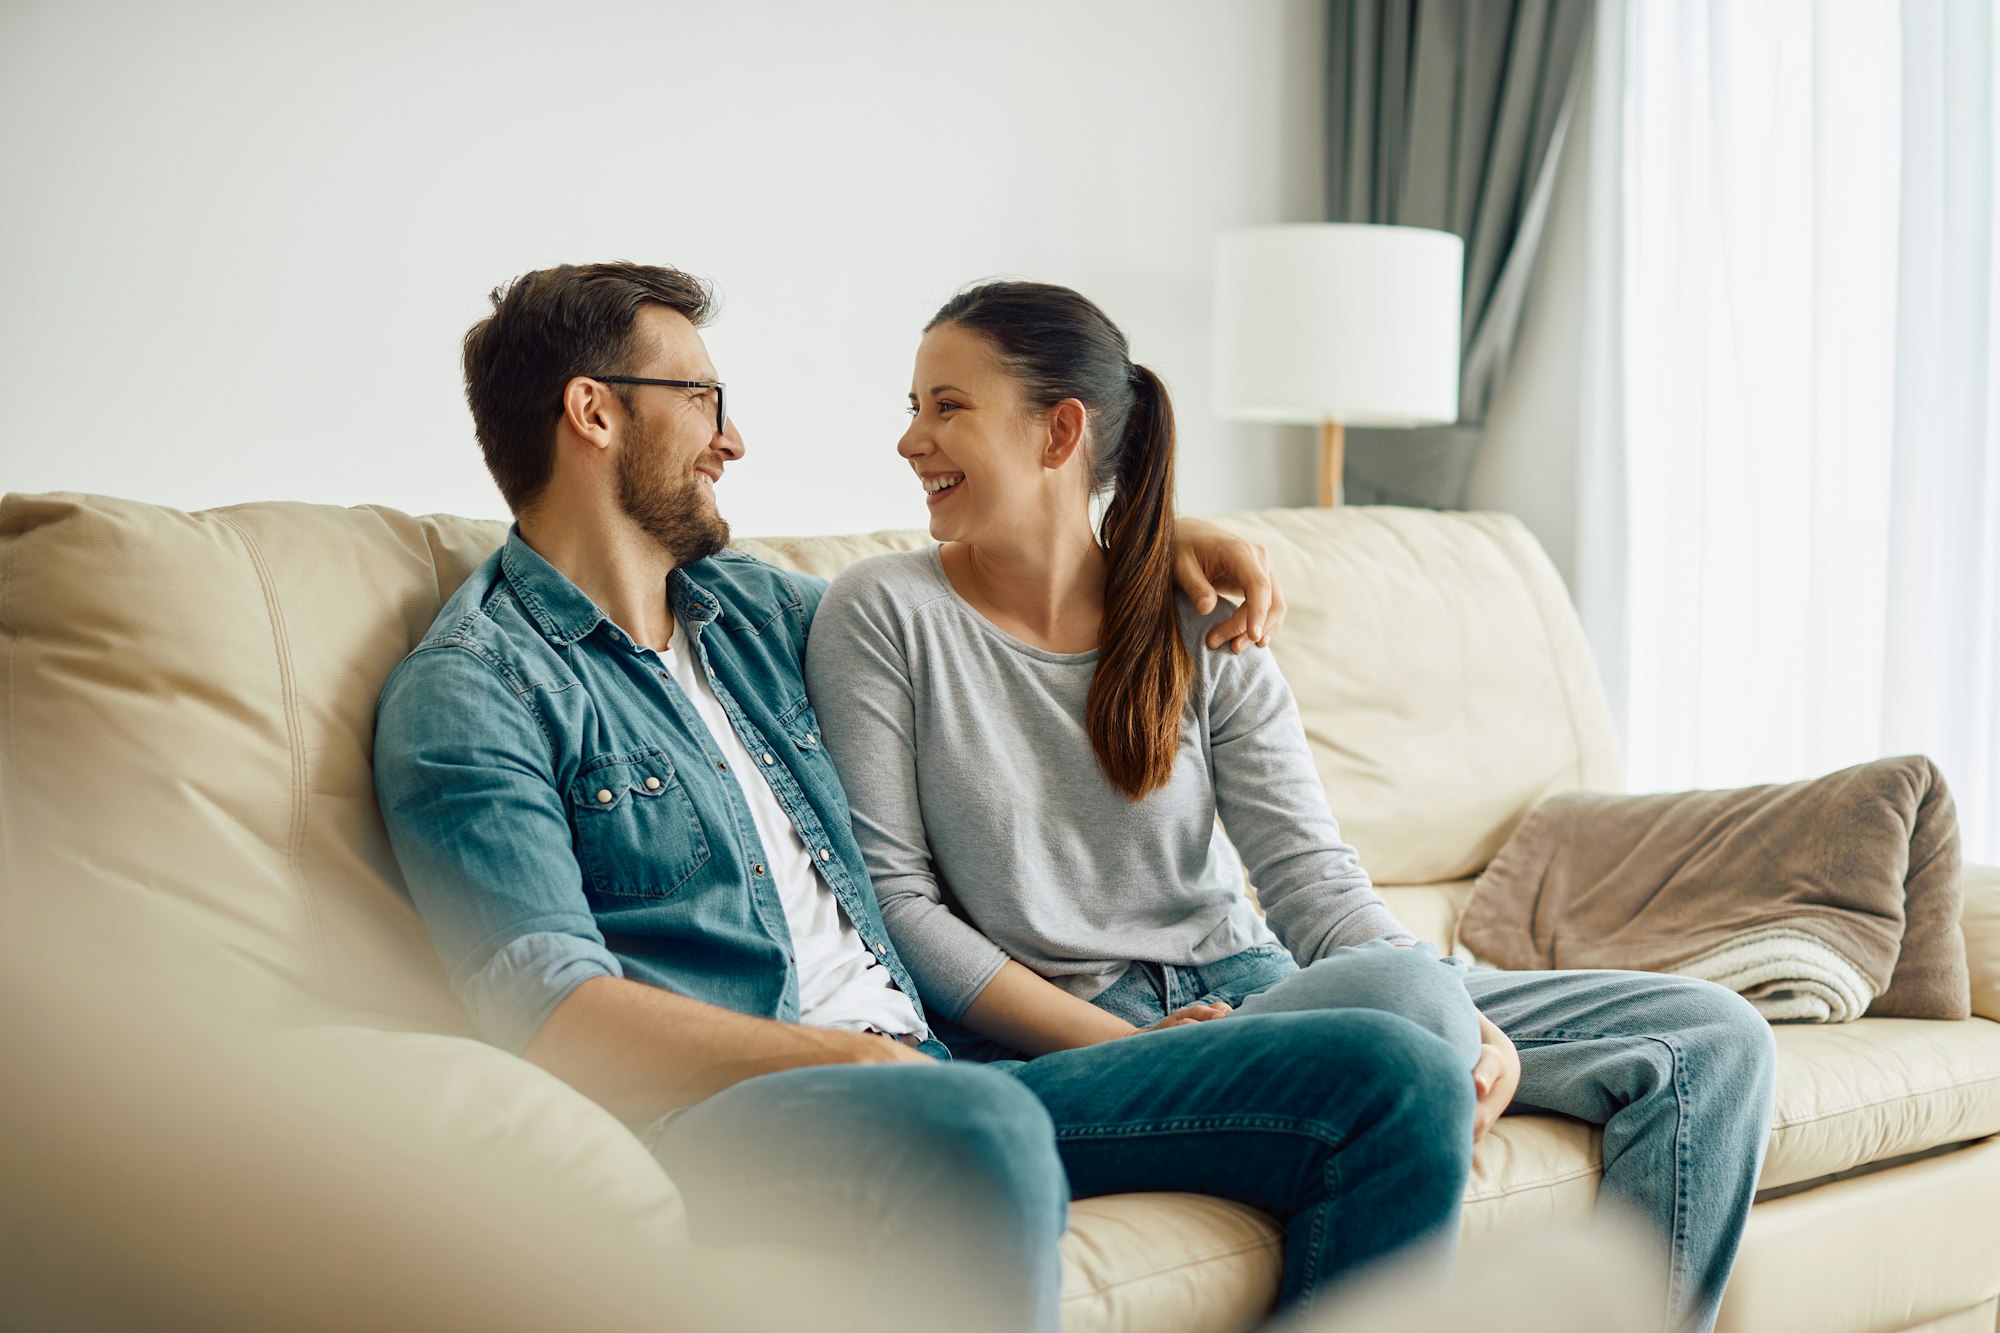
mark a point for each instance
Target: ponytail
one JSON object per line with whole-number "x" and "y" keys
{"x": 1143, "y": 672}
{"x": 1058, "y": 345}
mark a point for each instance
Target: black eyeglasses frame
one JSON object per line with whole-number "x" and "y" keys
{"x": 721, "y": 406}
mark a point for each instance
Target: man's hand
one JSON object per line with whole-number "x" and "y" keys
{"x": 1208, "y": 562}
{"x": 1192, "y": 1013}
{"x": 870, "y": 1048}
{"x": 1497, "y": 1076}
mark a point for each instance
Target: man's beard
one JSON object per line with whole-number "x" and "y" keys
{"x": 680, "y": 516}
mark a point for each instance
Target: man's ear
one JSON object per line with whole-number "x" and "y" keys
{"x": 1065, "y": 425}
{"x": 589, "y": 410}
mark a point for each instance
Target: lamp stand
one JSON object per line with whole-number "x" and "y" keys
{"x": 1332, "y": 462}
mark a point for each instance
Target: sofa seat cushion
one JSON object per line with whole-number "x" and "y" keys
{"x": 1147, "y": 1261}
{"x": 1854, "y": 1093}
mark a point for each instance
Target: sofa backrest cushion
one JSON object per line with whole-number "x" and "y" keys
{"x": 189, "y": 700}
{"x": 1442, "y": 675}
{"x": 190, "y": 704}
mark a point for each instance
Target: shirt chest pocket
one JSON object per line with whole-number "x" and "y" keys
{"x": 637, "y": 835}
{"x": 799, "y": 724}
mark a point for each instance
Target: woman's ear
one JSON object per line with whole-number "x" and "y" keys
{"x": 1066, "y": 422}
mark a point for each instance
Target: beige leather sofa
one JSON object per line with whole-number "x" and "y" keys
{"x": 187, "y": 702}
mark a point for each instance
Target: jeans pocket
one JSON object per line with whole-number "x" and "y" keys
{"x": 1234, "y": 979}
{"x": 1134, "y": 997}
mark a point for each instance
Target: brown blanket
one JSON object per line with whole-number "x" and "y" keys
{"x": 1848, "y": 883}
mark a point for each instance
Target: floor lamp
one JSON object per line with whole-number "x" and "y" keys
{"x": 1335, "y": 325}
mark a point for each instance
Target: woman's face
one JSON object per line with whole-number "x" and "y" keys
{"x": 972, "y": 442}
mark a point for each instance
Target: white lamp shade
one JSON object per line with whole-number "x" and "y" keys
{"x": 1338, "y": 322}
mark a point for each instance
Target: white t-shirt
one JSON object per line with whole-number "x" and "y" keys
{"x": 841, "y": 984}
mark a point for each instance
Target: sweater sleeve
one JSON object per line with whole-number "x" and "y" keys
{"x": 1315, "y": 893}
{"x": 858, "y": 676}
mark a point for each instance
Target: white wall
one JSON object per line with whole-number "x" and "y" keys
{"x": 242, "y": 240}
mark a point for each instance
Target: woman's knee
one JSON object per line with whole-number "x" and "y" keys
{"x": 1726, "y": 1028}
{"x": 1411, "y": 982}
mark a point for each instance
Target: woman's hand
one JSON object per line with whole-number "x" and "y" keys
{"x": 1209, "y": 561}
{"x": 1497, "y": 1076}
{"x": 1193, "y": 1013}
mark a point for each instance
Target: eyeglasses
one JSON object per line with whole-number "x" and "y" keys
{"x": 721, "y": 412}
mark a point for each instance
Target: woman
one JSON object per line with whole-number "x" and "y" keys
{"x": 1036, "y": 747}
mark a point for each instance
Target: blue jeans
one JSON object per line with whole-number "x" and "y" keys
{"x": 1678, "y": 1072}
{"x": 1352, "y": 1129}
{"x": 1413, "y": 982}
{"x": 939, "y": 1182}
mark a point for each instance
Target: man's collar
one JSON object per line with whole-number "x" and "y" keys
{"x": 562, "y": 611}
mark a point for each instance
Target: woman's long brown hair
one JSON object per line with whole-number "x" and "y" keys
{"x": 1059, "y": 345}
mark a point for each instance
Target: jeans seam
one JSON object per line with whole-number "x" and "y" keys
{"x": 1677, "y": 1258}
{"x": 1316, "y": 1242}
{"x": 1192, "y": 1124}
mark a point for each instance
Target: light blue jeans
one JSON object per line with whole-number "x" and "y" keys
{"x": 1678, "y": 1072}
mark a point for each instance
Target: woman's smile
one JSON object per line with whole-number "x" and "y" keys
{"x": 939, "y": 486}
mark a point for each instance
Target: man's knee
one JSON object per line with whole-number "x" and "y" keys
{"x": 1429, "y": 1097}
{"x": 985, "y": 1131}
{"x": 1413, "y": 1076}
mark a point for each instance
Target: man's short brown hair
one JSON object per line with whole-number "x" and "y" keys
{"x": 547, "y": 327}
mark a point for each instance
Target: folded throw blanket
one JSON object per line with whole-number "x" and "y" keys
{"x": 1818, "y": 901}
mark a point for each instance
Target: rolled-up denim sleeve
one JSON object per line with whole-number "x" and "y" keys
{"x": 464, "y": 778}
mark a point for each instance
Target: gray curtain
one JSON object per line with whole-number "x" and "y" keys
{"x": 1450, "y": 114}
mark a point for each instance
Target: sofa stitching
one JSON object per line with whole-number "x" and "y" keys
{"x": 1885, "y": 1101}
{"x": 288, "y": 693}
{"x": 1522, "y": 1187}
{"x": 1248, "y": 1247}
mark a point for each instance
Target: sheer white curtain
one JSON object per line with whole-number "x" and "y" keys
{"x": 1789, "y": 535}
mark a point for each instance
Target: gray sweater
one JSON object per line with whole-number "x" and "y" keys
{"x": 990, "y": 831}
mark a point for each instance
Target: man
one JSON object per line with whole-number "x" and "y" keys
{"x": 609, "y": 799}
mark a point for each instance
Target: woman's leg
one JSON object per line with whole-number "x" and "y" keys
{"x": 1412, "y": 982}
{"x": 1352, "y": 1128}
{"x": 1680, "y": 1074}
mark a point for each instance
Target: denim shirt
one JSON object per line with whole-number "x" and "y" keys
{"x": 561, "y": 812}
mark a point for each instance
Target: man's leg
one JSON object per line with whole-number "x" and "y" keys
{"x": 943, "y": 1180}
{"x": 1353, "y": 1128}
{"x": 1680, "y": 1074}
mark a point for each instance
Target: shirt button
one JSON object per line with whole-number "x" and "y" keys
{"x": 758, "y": 868}
{"x": 721, "y": 767}
{"x": 768, "y": 759}
{"x": 652, "y": 784}
{"x": 825, "y": 855}
{"x": 881, "y": 952}
{"x": 604, "y": 797}
{"x": 665, "y": 676}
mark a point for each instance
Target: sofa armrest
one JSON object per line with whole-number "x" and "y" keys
{"x": 459, "y": 1099}
{"x": 1980, "y": 920}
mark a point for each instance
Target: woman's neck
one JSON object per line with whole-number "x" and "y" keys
{"x": 1048, "y": 593}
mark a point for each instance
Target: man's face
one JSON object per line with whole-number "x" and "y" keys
{"x": 671, "y": 455}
